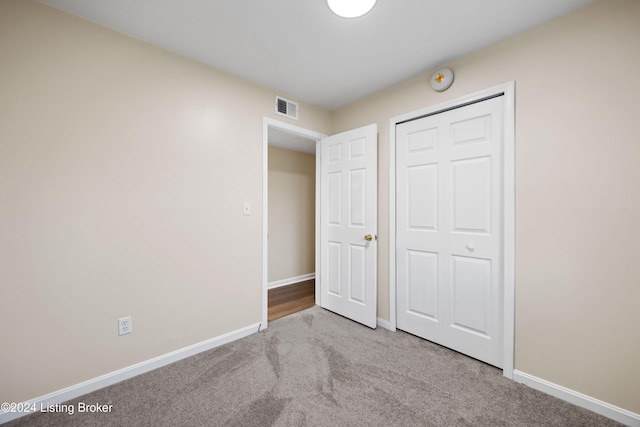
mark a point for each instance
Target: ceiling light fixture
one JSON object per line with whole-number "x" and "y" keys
{"x": 351, "y": 8}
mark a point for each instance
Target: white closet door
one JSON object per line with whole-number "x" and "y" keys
{"x": 449, "y": 229}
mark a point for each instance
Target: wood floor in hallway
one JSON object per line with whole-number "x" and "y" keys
{"x": 290, "y": 299}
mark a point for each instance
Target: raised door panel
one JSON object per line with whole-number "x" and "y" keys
{"x": 357, "y": 274}
{"x": 422, "y": 140}
{"x": 334, "y": 268}
{"x": 358, "y": 148}
{"x": 471, "y": 191}
{"x": 422, "y": 197}
{"x": 334, "y": 198}
{"x": 471, "y": 294}
{"x": 471, "y": 130}
{"x": 422, "y": 283}
{"x": 357, "y": 198}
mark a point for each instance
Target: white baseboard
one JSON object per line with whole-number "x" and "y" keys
{"x": 129, "y": 372}
{"x": 598, "y": 406}
{"x": 291, "y": 280}
{"x": 384, "y": 323}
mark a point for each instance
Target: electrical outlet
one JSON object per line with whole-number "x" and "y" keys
{"x": 125, "y": 325}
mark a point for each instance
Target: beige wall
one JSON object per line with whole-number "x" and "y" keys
{"x": 292, "y": 220}
{"x": 577, "y": 201}
{"x": 123, "y": 172}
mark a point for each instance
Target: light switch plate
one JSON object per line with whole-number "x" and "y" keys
{"x": 246, "y": 208}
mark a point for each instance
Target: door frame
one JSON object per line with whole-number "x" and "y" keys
{"x": 267, "y": 123}
{"x": 507, "y": 90}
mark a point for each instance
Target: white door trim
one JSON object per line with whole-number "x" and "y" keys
{"x": 508, "y": 92}
{"x": 267, "y": 123}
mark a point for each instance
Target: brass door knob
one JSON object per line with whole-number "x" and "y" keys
{"x": 368, "y": 237}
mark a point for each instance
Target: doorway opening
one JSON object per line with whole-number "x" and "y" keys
{"x": 289, "y": 220}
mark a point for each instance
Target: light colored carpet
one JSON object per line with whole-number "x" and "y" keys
{"x": 315, "y": 368}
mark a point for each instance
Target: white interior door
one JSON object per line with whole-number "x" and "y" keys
{"x": 449, "y": 229}
{"x": 348, "y": 224}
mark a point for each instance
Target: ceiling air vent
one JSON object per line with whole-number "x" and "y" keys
{"x": 286, "y": 108}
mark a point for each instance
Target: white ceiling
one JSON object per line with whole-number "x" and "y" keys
{"x": 302, "y": 50}
{"x": 291, "y": 141}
